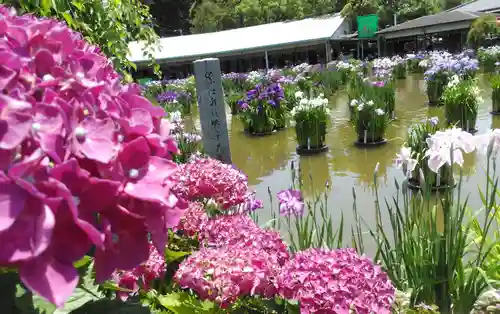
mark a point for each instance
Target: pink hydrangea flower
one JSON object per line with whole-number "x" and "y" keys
{"x": 126, "y": 280}
{"x": 336, "y": 282}
{"x": 142, "y": 276}
{"x": 240, "y": 231}
{"x": 192, "y": 220}
{"x": 224, "y": 274}
{"x": 206, "y": 178}
{"x": 84, "y": 160}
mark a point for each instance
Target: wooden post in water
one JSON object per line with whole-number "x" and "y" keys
{"x": 212, "y": 109}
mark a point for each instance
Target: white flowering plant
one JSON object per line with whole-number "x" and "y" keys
{"x": 489, "y": 58}
{"x": 311, "y": 116}
{"x": 461, "y": 98}
{"x": 355, "y": 87}
{"x": 412, "y": 158}
{"x": 255, "y": 77}
{"x": 305, "y": 84}
{"x": 384, "y": 63}
{"x": 399, "y": 69}
{"x": 370, "y": 120}
{"x": 346, "y": 68}
{"x": 300, "y": 68}
{"x": 413, "y": 63}
{"x": 437, "y": 229}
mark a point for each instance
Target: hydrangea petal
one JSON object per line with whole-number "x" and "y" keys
{"x": 15, "y": 123}
{"x": 44, "y": 61}
{"x": 140, "y": 122}
{"x": 12, "y": 201}
{"x": 30, "y": 234}
{"x": 6, "y": 76}
{"x": 152, "y": 187}
{"x": 50, "y": 279}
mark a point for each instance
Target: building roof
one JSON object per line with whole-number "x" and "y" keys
{"x": 280, "y": 35}
{"x": 430, "y": 20}
{"x": 479, "y": 6}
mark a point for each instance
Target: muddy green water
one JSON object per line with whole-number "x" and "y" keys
{"x": 267, "y": 160}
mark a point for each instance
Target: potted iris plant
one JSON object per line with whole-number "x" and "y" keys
{"x": 495, "y": 94}
{"x": 311, "y": 117}
{"x": 413, "y": 63}
{"x": 399, "y": 69}
{"x": 259, "y": 110}
{"x": 382, "y": 92}
{"x": 413, "y": 161}
{"x": 370, "y": 122}
{"x": 355, "y": 86}
{"x": 489, "y": 58}
{"x": 436, "y": 79}
{"x": 461, "y": 99}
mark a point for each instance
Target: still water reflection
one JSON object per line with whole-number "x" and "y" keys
{"x": 267, "y": 160}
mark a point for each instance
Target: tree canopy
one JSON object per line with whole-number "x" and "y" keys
{"x": 481, "y": 29}
{"x": 176, "y": 17}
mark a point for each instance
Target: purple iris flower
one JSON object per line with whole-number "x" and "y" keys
{"x": 291, "y": 202}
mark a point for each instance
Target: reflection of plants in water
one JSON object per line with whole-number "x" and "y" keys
{"x": 414, "y": 83}
{"x": 314, "y": 173}
{"x": 259, "y": 156}
{"x": 362, "y": 162}
{"x": 495, "y": 122}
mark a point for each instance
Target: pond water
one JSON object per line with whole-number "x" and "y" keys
{"x": 267, "y": 160}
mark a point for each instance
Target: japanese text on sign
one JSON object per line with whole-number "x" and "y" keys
{"x": 212, "y": 109}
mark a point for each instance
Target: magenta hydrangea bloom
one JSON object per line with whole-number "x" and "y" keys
{"x": 207, "y": 178}
{"x": 336, "y": 282}
{"x": 84, "y": 160}
{"x": 192, "y": 220}
{"x": 142, "y": 276}
{"x": 224, "y": 274}
{"x": 240, "y": 231}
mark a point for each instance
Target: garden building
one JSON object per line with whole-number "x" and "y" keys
{"x": 271, "y": 45}
{"x": 444, "y": 30}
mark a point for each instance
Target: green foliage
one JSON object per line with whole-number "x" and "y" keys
{"x": 495, "y": 81}
{"x": 24, "y": 302}
{"x": 214, "y": 15}
{"x": 354, "y": 8}
{"x": 331, "y": 81}
{"x": 492, "y": 240}
{"x": 171, "y": 16}
{"x": 482, "y": 28}
{"x": 412, "y": 9}
{"x": 495, "y": 92}
{"x": 209, "y": 16}
{"x": 399, "y": 71}
{"x": 435, "y": 88}
{"x": 317, "y": 227}
{"x": 448, "y": 4}
{"x": 428, "y": 249}
{"x": 417, "y": 137}
{"x": 111, "y": 24}
{"x": 182, "y": 302}
{"x": 461, "y": 100}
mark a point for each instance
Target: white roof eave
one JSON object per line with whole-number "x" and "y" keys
{"x": 280, "y": 35}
